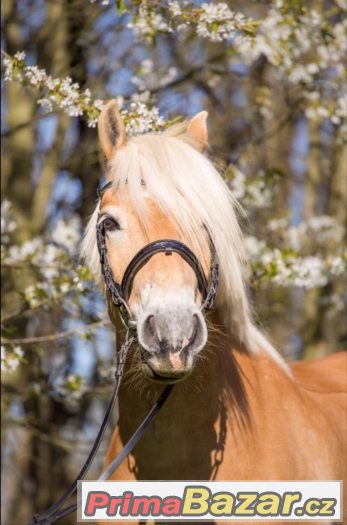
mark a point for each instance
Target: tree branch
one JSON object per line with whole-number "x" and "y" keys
{"x": 53, "y": 337}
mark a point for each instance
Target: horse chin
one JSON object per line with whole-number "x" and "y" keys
{"x": 164, "y": 377}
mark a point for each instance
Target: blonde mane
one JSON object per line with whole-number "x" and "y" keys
{"x": 187, "y": 187}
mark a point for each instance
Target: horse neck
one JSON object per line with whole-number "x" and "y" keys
{"x": 227, "y": 393}
{"x": 225, "y": 378}
{"x": 243, "y": 380}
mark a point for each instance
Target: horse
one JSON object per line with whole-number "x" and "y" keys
{"x": 239, "y": 411}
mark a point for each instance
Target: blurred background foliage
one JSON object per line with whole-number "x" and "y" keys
{"x": 272, "y": 76}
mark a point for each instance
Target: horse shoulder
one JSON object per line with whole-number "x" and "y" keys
{"x": 325, "y": 375}
{"x": 323, "y": 384}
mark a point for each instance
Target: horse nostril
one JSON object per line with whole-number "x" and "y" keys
{"x": 187, "y": 341}
{"x": 149, "y": 334}
{"x": 151, "y": 324}
{"x": 194, "y": 329}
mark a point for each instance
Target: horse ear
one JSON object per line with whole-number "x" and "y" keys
{"x": 197, "y": 130}
{"x": 111, "y": 129}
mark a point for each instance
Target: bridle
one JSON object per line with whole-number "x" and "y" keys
{"x": 119, "y": 294}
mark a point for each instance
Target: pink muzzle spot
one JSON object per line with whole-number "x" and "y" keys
{"x": 175, "y": 360}
{"x": 185, "y": 342}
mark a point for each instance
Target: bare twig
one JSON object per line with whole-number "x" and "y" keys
{"x": 53, "y": 337}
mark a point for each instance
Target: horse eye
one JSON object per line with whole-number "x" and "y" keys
{"x": 111, "y": 224}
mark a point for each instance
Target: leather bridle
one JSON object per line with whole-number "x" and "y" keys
{"x": 119, "y": 294}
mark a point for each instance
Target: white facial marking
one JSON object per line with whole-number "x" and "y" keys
{"x": 154, "y": 298}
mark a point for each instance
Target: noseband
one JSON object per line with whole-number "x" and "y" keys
{"x": 119, "y": 294}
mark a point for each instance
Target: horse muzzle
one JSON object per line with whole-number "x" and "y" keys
{"x": 170, "y": 342}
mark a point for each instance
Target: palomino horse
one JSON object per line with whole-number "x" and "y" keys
{"x": 238, "y": 412}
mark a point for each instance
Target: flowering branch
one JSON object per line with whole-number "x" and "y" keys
{"x": 64, "y": 94}
{"x": 56, "y": 93}
{"x": 305, "y": 46}
{"x": 285, "y": 269}
{"x": 215, "y": 22}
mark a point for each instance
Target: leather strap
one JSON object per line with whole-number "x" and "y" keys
{"x": 50, "y": 515}
{"x": 46, "y": 519}
{"x": 167, "y": 246}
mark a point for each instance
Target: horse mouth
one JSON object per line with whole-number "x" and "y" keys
{"x": 163, "y": 377}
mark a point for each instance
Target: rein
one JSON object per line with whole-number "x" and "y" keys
{"x": 119, "y": 294}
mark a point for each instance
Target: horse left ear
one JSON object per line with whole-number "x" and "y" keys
{"x": 111, "y": 129}
{"x": 197, "y": 130}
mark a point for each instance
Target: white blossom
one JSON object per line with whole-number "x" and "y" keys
{"x": 256, "y": 193}
{"x": 149, "y": 77}
{"x": 175, "y": 7}
{"x": 254, "y": 247}
{"x": 67, "y": 233}
{"x": 337, "y": 266}
{"x": 73, "y": 388}
{"x": 308, "y": 272}
{"x": 217, "y": 22}
{"x": 11, "y": 358}
{"x": 238, "y": 183}
{"x": 65, "y": 287}
{"x": 23, "y": 252}
{"x": 334, "y": 302}
{"x": 322, "y": 230}
{"x": 9, "y": 64}
{"x": 46, "y": 104}
{"x": 147, "y": 23}
{"x": 8, "y": 224}
{"x": 66, "y": 95}
{"x": 31, "y": 294}
{"x": 143, "y": 118}
{"x": 62, "y": 93}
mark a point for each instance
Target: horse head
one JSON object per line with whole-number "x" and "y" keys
{"x": 161, "y": 186}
